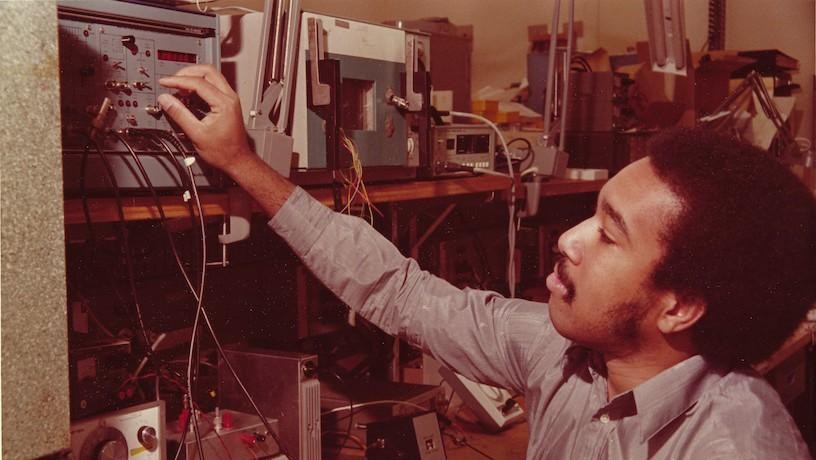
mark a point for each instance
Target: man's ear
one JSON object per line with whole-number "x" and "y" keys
{"x": 679, "y": 313}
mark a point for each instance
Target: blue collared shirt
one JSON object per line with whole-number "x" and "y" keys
{"x": 691, "y": 410}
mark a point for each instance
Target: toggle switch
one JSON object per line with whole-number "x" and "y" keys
{"x": 154, "y": 110}
{"x": 129, "y": 42}
{"x": 115, "y": 85}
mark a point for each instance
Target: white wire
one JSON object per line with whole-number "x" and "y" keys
{"x": 236, "y": 7}
{"x": 489, "y": 172}
{"x": 803, "y": 144}
{"x": 201, "y": 312}
{"x": 511, "y": 201}
{"x": 179, "y": 263}
{"x": 199, "y": 298}
{"x": 152, "y": 349}
{"x": 373, "y": 403}
{"x": 216, "y": 9}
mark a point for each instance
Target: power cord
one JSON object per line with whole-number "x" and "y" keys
{"x": 125, "y": 238}
{"x": 199, "y": 296}
{"x": 201, "y": 312}
{"x": 350, "y": 405}
{"x": 511, "y": 201}
{"x": 462, "y": 441}
{"x": 458, "y": 437}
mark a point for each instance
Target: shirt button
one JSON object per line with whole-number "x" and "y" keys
{"x": 604, "y": 418}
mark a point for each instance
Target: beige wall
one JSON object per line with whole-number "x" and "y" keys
{"x": 500, "y": 42}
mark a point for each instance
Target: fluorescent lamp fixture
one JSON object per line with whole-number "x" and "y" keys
{"x": 667, "y": 36}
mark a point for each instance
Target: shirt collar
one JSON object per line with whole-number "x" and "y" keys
{"x": 670, "y": 393}
{"x": 658, "y": 400}
{"x": 590, "y": 363}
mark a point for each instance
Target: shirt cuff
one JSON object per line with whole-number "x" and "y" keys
{"x": 300, "y": 221}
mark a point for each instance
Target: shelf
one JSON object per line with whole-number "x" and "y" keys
{"x": 142, "y": 208}
{"x": 421, "y": 190}
{"x": 556, "y": 187}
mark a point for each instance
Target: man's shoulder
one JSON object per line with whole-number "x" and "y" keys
{"x": 742, "y": 414}
{"x": 744, "y": 385}
{"x": 742, "y": 391}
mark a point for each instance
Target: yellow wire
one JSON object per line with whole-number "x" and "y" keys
{"x": 355, "y": 187}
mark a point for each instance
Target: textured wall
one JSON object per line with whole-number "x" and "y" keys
{"x": 34, "y": 378}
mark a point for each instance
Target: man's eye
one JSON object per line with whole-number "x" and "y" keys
{"x": 604, "y": 237}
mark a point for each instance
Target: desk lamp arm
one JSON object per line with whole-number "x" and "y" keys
{"x": 269, "y": 109}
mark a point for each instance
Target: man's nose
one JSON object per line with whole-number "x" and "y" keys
{"x": 571, "y": 243}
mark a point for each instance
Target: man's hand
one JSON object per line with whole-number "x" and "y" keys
{"x": 219, "y": 137}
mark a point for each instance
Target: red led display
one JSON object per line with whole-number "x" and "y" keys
{"x": 177, "y": 56}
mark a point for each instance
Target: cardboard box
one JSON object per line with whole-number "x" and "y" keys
{"x": 484, "y": 106}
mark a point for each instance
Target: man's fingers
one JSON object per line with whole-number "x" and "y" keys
{"x": 209, "y": 73}
{"x": 174, "y": 109}
{"x": 209, "y": 93}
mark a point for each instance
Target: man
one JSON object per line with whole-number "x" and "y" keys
{"x": 698, "y": 261}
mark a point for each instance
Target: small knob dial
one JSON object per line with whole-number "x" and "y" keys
{"x": 147, "y": 437}
{"x": 309, "y": 369}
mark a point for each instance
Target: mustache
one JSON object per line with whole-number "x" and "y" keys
{"x": 561, "y": 271}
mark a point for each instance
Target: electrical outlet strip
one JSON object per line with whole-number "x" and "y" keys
{"x": 492, "y": 405}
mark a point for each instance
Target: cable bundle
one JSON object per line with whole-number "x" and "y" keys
{"x": 355, "y": 187}
{"x": 169, "y": 142}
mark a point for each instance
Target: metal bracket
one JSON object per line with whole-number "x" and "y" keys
{"x": 240, "y": 213}
{"x": 413, "y": 98}
{"x": 321, "y": 93}
{"x": 276, "y": 64}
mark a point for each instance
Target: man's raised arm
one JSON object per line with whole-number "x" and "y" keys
{"x": 220, "y": 137}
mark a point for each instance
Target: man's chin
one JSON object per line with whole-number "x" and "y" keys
{"x": 559, "y": 316}
{"x": 562, "y": 300}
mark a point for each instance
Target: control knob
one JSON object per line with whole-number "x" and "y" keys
{"x": 147, "y": 437}
{"x": 104, "y": 443}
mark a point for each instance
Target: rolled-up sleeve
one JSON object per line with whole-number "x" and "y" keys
{"x": 479, "y": 334}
